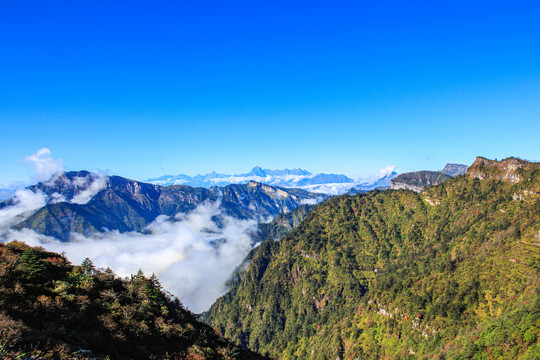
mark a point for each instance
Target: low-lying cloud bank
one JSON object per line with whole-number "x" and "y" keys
{"x": 191, "y": 254}
{"x": 24, "y": 203}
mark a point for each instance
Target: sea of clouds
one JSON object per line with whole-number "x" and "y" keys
{"x": 192, "y": 254}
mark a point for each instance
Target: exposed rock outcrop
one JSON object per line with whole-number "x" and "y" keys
{"x": 454, "y": 170}
{"x": 512, "y": 170}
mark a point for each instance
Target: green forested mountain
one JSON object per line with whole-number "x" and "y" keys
{"x": 418, "y": 180}
{"x": 452, "y": 272}
{"x": 283, "y": 224}
{"x": 50, "y": 309}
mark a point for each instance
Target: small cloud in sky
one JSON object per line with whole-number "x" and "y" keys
{"x": 44, "y": 165}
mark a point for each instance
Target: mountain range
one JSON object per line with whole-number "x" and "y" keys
{"x": 84, "y": 202}
{"x": 448, "y": 271}
{"x": 419, "y": 180}
{"x": 333, "y": 184}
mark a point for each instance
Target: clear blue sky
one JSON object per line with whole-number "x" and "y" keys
{"x": 143, "y": 89}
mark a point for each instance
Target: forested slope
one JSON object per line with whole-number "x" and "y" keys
{"x": 452, "y": 272}
{"x": 50, "y": 309}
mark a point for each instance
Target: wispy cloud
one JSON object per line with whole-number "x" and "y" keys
{"x": 91, "y": 185}
{"x": 312, "y": 201}
{"x": 385, "y": 171}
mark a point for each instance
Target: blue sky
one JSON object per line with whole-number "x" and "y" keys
{"x": 142, "y": 89}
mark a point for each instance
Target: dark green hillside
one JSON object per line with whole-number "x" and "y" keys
{"x": 450, "y": 273}
{"x": 53, "y": 310}
{"x": 283, "y": 224}
{"x": 418, "y": 180}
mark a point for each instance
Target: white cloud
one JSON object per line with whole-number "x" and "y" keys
{"x": 91, "y": 185}
{"x": 44, "y": 165}
{"x": 385, "y": 171}
{"x": 330, "y": 189}
{"x": 191, "y": 255}
{"x": 56, "y": 198}
{"x": 312, "y": 201}
{"x": 25, "y": 202}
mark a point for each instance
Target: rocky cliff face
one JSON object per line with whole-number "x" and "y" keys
{"x": 454, "y": 169}
{"x": 512, "y": 170}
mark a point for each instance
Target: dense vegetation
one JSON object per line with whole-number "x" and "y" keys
{"x": 282, "y": 224}
{"x": 421, "y": 179}
{"x": 52, "y": 309}
{"x": 450, "y": 273}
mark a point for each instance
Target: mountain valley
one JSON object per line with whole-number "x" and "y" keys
{"x": 449, "y": 270}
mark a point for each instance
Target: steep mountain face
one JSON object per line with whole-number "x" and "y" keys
{"x": 452, "y": 272}
{"x": 454, "y": 170}
{"x": 265, "y": 200}
{"x": 51, "y": 309}
{"x": 275, "y": 230}
{"x": 70, "y": 185}
{"x": 121, "y": 204}
{"x": 418, "y": 180}
{"x": 512, "y": 169}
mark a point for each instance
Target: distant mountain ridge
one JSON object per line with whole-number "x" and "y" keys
{"x": 286, "y": 177}
{"x": 332, "y": 184}
{"x": 419, "y": 180}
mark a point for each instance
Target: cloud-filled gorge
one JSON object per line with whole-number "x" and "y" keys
{"x": 191, "y": 254}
